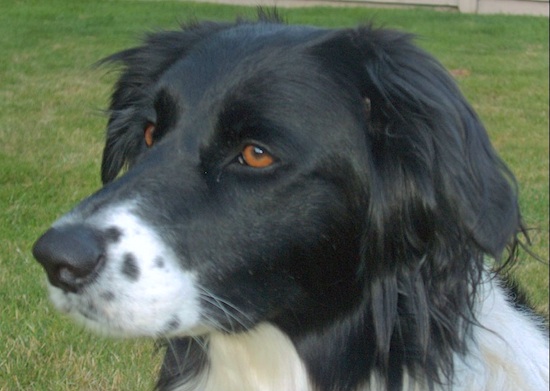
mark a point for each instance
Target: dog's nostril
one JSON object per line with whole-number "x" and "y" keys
{"x": 70, "y": 255}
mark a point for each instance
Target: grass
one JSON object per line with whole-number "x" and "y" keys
{"x": 51, "y": 136}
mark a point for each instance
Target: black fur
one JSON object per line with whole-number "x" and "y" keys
{"x": 365, "y": 241}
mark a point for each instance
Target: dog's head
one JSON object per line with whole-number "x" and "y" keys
{"x": 283, "y": 174}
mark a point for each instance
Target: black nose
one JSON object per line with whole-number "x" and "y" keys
{"x": 71, "y": 255}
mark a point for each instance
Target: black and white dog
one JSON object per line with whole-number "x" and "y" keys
{"x": 303, "y": 210}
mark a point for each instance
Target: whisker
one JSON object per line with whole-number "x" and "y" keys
{"x": 230, "y": 311}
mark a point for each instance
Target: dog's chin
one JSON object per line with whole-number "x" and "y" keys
{"x": 128, "y": 321}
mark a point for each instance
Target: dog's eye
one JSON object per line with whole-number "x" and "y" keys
{"x": 256, "y": 157}
{"x": 149, "y": 134}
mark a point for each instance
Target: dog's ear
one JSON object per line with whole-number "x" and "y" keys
{"x": 141, "y": 68}
{"x": 432, "y": 166}
{"x": 439, "y": 198}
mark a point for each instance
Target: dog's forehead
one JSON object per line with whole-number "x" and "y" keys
{"x": 269, "y": 72}
{"x": 232, "y": 57}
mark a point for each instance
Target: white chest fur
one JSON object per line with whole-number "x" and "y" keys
{"x": 263, "y": 359}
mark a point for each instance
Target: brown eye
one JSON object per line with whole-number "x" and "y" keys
{"x": 148, "y": 134}
{"x": 256, "y": 157}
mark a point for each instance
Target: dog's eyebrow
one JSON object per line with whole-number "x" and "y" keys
{"x": 241, "y": 119}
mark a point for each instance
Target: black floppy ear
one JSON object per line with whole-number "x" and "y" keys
{"x": 433, "y": 166}
{"x": 439, "y": 199}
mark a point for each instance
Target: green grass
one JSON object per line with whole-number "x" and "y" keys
{"x": 51, "y": 131}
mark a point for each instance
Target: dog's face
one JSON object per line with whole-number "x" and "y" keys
{"x": 279, "y": 174}
{"x": 236, "y": 206}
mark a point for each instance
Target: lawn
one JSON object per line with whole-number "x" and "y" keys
{"x": 52, "y": 126}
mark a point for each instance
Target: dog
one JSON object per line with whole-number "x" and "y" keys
{"x": 301, "y": 209}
